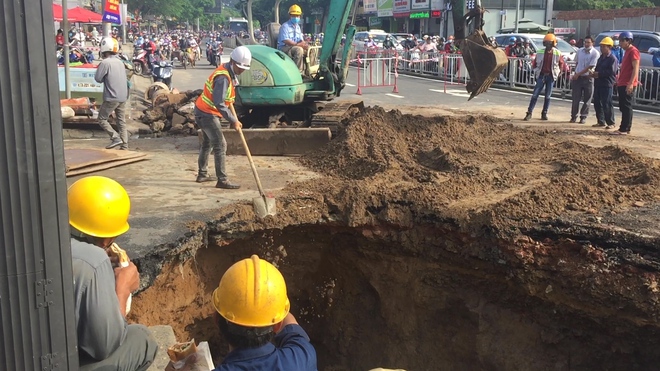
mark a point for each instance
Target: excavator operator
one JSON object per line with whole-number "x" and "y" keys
{"x": 291, "y": 39}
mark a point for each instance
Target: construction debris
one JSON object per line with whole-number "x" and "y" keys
{"x": 172, "y": 112}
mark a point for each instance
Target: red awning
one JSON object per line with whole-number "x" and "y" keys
{"x": 83, "y": 15}
{"x": 57, "y": 12}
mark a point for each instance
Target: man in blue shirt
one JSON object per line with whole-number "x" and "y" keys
{"x": 291, "y": 39}
{"x": 605, "y": 78}
{"x": 252, "y": 313}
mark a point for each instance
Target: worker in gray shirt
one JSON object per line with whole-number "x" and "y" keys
{"x": 98, "y": 213}
{"x": 217, "y": 100}
{"x": 582, "y": 81}
{"x": 112, "y": 73}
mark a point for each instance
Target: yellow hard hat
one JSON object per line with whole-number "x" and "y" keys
{"x": 252, "y": 293}
{"x": 99, "y": 207}
{"x": 295, "y": 10}
{"x": 550, "y": 37}
{"x": 607, "y": 41}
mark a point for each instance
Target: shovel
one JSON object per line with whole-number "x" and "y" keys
{"x": 263, "y": 205}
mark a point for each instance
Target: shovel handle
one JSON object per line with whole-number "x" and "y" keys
{"x": 249, "y": 156}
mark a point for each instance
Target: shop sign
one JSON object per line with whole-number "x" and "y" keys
{"x": 385, "y": 8}
{"x": 420, "y": 4}
{"x": 420, "y": 15}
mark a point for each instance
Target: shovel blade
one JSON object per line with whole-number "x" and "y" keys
{"x": 264, "y": 206}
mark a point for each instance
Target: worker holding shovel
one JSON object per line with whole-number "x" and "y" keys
{"x": 217, "y": 101}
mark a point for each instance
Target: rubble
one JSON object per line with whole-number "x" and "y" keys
{"x": 173, "y": 113}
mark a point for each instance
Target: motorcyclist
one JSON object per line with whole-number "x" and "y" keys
{"x": 150, "y": 47}
{"x": 192, "y": 45}
{"x": 388, "y": 44}
{"x": 510, "y": 44}
{"x": 527, "y": 50}
{"x": 517, "y": 50}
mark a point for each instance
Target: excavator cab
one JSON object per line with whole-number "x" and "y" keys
{"x": 483, "y": 60}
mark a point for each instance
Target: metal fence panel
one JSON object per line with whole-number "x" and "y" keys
{"x": 634, "y": 23}
{"x": 620, "y": 23}
{"x": 648, "y": 22}
{"x": 37, "y": 323}
{"x": 596, "y": 27}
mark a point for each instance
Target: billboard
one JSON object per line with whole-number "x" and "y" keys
{"x": 401, "y": 6}
{"x": 385, "y": 8}
{"x": 370, "y": 6}
{"x": 420, "y": 4}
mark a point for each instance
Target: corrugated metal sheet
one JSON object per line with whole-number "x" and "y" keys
{"x": 36, "y": 299}
{"x": 620, "y": 23}
{"x": 648, "y": 22}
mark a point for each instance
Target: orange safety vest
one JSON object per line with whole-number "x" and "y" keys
{"x": 205, "y": 100}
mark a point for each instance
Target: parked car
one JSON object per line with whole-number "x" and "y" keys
{"x": 643, "y": 40}
{"x": 536, "y": 43}
{"x": 401, "y": 36}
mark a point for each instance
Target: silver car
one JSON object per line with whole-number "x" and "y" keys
{"x": 536, "y": 43}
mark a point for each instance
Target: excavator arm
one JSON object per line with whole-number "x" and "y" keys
{"x": 484, "y": 61}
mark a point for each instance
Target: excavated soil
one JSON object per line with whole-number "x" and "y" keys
{"x": 444, "y": 243}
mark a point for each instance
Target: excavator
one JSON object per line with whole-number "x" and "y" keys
{"x": 273, "y": 93}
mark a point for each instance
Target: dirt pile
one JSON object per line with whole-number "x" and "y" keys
{"x": 446, "y": 243}
{"x": 483, "y": 167}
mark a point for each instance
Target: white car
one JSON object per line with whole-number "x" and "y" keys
{"x": 536, "y": 43}
{"x": 378, "y": 37}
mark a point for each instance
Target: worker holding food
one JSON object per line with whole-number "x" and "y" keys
{"x": 252, "y": 314}
{"x": 104, "y": 278}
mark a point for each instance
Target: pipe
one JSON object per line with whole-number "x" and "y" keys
{"x": 517, "y": 12}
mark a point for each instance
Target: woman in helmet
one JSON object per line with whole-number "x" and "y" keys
{"x": 217, "y": 100}
{"x": 252, "y": 313}
{"x": 98, "y": 214}
{"x": 290, "y": 39}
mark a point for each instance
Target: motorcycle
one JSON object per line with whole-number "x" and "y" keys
{"x": 215, "y": 54}
{"x": 162, "y": 72}
{"x": 140, "y": 64}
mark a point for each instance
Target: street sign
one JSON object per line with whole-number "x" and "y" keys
{"x": 564, "y": 31}
{"x": 111, "y": 12}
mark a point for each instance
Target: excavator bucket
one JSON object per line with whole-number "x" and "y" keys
{"x": 483, "y": 62}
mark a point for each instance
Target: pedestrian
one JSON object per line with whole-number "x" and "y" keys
{"x": 604, "y": 80}
{"x": 252, "y": 314}
{"x": 217, "y": 100}
{"x": 547, "y": 66}
{"x": 582, "y": 83}
{"x": 98, "y": 214}
{"x": 617, "y": 50}
{"x": 112, "y": 73}
{"x": 627, "y": 81}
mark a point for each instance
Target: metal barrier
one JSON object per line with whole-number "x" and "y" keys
{"x": 518, "y": 74}
{"x": 377, "y": 68}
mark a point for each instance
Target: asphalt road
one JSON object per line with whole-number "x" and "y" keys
{"x": 421, "y": 91}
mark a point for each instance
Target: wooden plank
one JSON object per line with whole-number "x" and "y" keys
{"x": 103, "y": 166}
{"x": 76, "y": 158}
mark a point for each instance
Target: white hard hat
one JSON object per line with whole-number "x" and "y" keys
{"x": 242, "y": 56}
{"x": 108, "y": 44}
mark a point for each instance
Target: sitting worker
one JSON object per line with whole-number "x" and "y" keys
{"x": 98, "y": 213}
{"x": 290, "y": 39}
{"x": 217, "y": 100}
{"x": 252, "y": 314}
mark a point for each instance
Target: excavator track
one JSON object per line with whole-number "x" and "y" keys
{"x": 333, "y": 114}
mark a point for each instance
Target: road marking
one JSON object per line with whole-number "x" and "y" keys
{"x": 394, "y": 95}
{"x": 347, "y": 84}
{"x": 454, "y": 92}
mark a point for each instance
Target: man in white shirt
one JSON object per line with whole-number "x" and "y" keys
{"x": 582, "y": 81}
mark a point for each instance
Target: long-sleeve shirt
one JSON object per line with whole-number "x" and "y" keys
{"x": 112, "y": 73}
{"x": 607, "y": 67}
{"x": 100, "y": 326}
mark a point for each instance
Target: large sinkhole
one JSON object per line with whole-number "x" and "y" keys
{"x": 444, "y": 243}
{"x": 414, "y": 299}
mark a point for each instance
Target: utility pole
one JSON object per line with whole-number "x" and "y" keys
{"x": 107, "y": 26}
{"x": 517, "y": 14}
{"x": 37, "y": 325}
{"x": 124, "y": 19}
{"x": 67, "y": 76}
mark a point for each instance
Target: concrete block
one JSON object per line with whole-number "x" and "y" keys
{"x": 176, "y": 98}
{"x": 178, "y": 119}
{"x": 165, "y": 338}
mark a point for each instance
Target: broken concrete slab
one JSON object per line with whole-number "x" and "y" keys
{"x": 178, "y": 120}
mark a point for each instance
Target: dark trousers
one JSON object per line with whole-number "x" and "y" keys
{"x": 542, "y": 81}
{"x": 603, "y": 105}
{"x": 625, "y": 106}
{"x": 583, "y": 90}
